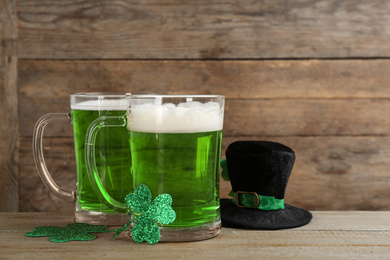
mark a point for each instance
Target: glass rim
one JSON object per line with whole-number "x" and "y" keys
{"x": 174, "y": 96}
{"x": 99, "y": 94}
{"x": 97, "y": 101}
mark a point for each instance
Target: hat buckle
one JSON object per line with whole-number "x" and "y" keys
{"x": 255, "y": 195}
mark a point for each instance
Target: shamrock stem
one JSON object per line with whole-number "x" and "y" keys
{"x": 123, "y": 228}
{"x": 104, "y": 231}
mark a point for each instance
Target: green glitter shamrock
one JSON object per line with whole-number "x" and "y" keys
{"x": 72, "y": 232}
{"x": 148, "y": 215}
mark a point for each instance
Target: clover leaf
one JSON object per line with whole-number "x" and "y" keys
{"x": 44, "y": 231}
{"x": 224, "y": 173}
{"x": 148, "y": 215}
{"x": 72, "y": 232}
{"x": 139, "y": 201}
{"x": 145, "y": 230}
{"x": 161, "y": 210}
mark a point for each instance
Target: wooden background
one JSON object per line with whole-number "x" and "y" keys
{"x": 311, "y": 74}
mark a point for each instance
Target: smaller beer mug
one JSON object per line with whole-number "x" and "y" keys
{"x": 112, "y": 157}
{"x": 175, "y": 143}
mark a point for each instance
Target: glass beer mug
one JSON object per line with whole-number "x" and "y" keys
{"x": 112, "y": 157}
{"x": 175, "y": 143}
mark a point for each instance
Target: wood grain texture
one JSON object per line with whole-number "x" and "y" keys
{"x": 60, "y": 161}
{"x": 230, "y": 244}
{"x": 320, "y": 97}
{"x": 304, "y": 117}
{"x": 334, "y": 172}
{"x": 322, "y": 221}
{"x": 330, "y": 173}
{"x": 333, "y": 113}
{"x": 311, "y": 74}
{"x": 269, "y": 117}
{"x": 354, "y": 78}
{"x": 176, "y": 29}
{"x": 9, "y": 108}
{"x": 330, "y": 235}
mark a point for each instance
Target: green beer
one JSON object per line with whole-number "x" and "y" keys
{"x": 184, "y": 166}
{"x": 112, "y": 157}
{"x": 175, "y": 149}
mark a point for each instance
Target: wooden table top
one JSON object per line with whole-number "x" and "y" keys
{"x": 330, "y": 235}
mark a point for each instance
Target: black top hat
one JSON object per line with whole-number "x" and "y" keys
{"x": 259, "y": 172}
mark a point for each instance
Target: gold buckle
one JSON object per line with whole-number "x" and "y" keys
{"x": 257, "y": 199}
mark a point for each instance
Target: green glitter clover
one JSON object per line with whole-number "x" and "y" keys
{"x": 148, "y": 215}
{"x": 72, "y": 232}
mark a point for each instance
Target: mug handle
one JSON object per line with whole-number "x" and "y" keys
{"x": 40, "y": 160}
{"x": 90, "y": 159}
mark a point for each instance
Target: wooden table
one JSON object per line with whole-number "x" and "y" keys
{"x": 330, "y": 235}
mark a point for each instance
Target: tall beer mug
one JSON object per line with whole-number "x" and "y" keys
{"x": 112, "y": 158}
{"x": 175, "y": 145}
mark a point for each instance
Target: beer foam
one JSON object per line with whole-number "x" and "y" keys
{"x": 99, "y": 105}
{"x": 188, "y": 117}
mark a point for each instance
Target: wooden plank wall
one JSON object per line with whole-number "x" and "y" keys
{"x": 9, "y": 167}
{"x": 311, "y": 74}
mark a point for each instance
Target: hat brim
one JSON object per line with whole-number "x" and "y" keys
{"x": 248, "y": 218}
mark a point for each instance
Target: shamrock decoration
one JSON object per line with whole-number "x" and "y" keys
{"x": 224, "y": 172}
{"x": 72, "y": 232}
{"x": 148, "y": 215}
